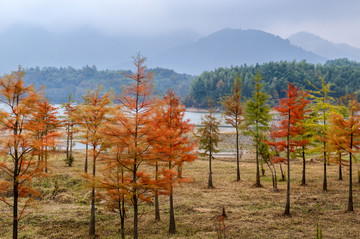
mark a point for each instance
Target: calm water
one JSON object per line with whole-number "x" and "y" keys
{"x": 194, "y": 117}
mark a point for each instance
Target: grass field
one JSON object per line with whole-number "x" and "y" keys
{"x": 64, "y": 209}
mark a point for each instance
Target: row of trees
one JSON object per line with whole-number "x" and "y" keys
{"x": 137, "y": 146}
{"x": 304, "y": 123}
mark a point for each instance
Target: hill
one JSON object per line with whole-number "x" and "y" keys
{"x": 323, "y": 47}
{"x": 344, "y": 75}
{"x": 60, "y": 82}
{"x": 231, "y": 47}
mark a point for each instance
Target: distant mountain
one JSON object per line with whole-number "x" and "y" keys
{"x": 324, "y": 48}
{"x": 31, "y": 46}
{"x": 231, "y": 47}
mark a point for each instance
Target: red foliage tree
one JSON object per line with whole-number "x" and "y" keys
{"x": 292, "y": 110}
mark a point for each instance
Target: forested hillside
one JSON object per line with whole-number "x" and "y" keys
{"x": 344, "y": 74}
{"x": 60, "y": 82}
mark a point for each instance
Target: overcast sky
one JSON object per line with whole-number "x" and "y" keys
{"x": 335, "y": 20}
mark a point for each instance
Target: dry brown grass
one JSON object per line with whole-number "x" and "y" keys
{"x": 252, "y": 212}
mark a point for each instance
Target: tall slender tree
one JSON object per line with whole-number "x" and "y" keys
{"x": 45, "y": 127}
{"x": 93, "y": 117}
{"x": 345, "y": 134}
{"x": 69, "y": 110}
{"x": 208, "y": 136}
{"x": 17, "y": 163}
{"x": 233, "y": 115}
{"x": 114, "y": 180}
{"x": 257, "y": 117}
{"x": 321, "y": 108}
{"x": 132, "y": 127}
{"x": 175, "y": 147}
{"x": 291, "y": 109}
{"x": 304, "y": 135}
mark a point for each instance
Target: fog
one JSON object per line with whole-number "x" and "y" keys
{"x": 334, "y": 20}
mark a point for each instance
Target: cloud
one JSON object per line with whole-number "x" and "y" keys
{"x": 335, "y": 20}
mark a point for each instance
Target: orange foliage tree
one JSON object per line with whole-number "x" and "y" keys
{"x": 92, "y": 117}
{"x": 292, "y": 110}
{"x": 69, "y": 122}
{"x": 131, "y": 127}
{"x": 115, "y": 178}
{"x": 18, "y": 165}
{"x": 44, "y": 124}
{"x": 345, "y": 134}
{"x": 174, "y": 147}
{"x": 233, "y": 116}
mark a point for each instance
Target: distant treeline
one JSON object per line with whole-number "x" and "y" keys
{"x": 344, "y": 74}
{"x": 60, "y": 82}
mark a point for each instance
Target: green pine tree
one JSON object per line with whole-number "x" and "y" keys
{"x": 257, "y": 117}
{"x": 208, "y": 136}
{"x": 318, "y": 122}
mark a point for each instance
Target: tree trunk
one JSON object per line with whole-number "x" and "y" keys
{"x": 92, "y": 216}
{"x": 340, "y": 166}
{"x": 350, "y": 203}
{"x": 122, "y": 214}
{"x": 287, "y": 207}
{"x": 257, "y": 167}
{"x": 71, "y": 144}
{"x": 135, "y": 196}
{"x": 135, "y": 202}
{"x": 282, "y": 173}
{"x": 16, "y": 198}
{"x": 303, "y": 181}
{"x": 86, "y": 156}
{"x": 157, "y": 208}
{"x": 210, "y": 183}
{"x": 272, "y": 176}
{"x": 324, "y": 120}
{"x": 46, "y": 159}
{"x": 325, "y": 179}
{"x": 172, "y": 226}
{"x": 122, "y": 227}
{"x": 275, "y": 185}
{"x": 237, "y": 155}
{"x": 67, "y": 141}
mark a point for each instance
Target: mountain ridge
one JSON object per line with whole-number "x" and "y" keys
{"x": 229, "y": 47}
{"x": 323, "y": 47}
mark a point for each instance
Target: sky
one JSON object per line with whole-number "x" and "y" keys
{"x": 335, "y": 20}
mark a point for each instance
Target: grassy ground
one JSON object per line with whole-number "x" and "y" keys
{"x": 64, "y": 210}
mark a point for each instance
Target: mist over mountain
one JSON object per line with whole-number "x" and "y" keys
{"x": 31, "y": 46}
{"x": 231, "y": 47}
{"x": 323, "y": 47}
{"x": 182, "y": 51}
